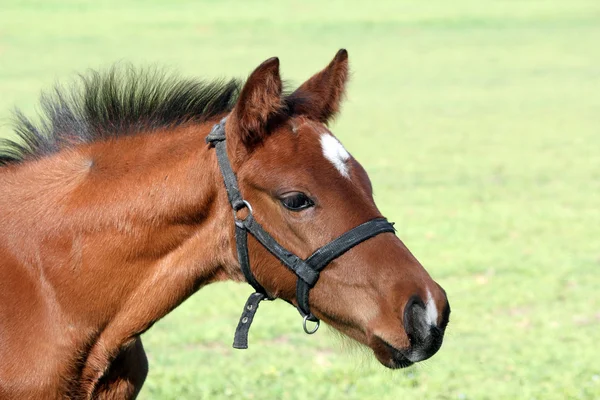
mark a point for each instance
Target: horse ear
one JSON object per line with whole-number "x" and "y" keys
{"x": 320, "y": 96}
{"x": 259, "y": 100}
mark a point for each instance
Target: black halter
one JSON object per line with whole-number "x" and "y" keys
{"x": 307, "y": 270}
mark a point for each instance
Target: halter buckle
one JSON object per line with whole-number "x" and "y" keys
{"x": 308, "y": 317}
{"x": 240, "y": 206}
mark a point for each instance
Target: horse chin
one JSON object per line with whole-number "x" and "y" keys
{"x": 388, "y": 355}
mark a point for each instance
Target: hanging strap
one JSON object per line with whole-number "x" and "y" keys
{"x": 240, "y": 339}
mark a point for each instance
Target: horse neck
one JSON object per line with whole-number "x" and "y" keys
{"x": 123, "y": 230}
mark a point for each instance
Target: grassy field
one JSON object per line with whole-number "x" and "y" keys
{"x": 479, "y": 123}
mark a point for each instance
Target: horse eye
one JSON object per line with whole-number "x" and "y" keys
{"x": 296, "y": 201}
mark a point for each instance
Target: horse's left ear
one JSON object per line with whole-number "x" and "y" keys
{"x": 259, "y": 101}
{"x": 320, "y": 97}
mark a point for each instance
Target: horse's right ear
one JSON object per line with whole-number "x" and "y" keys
{"x": 259, "y": 101}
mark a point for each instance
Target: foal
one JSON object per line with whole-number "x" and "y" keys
{"x": 113, "y": 212}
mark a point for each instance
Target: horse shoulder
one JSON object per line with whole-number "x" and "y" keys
{"x": 28, "y": 349}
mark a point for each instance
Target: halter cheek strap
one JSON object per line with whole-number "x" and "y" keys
{"x": 306, "y": 270}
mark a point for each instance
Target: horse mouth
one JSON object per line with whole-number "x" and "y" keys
{"x": 397, "y": 359}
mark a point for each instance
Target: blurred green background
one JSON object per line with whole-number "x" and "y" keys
{"x": 479, "y": 123}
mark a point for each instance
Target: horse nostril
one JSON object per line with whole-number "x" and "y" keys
{"x": 415, "y": 321}
{"x": 424, "y": 336}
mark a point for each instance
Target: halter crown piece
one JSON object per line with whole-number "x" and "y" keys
{"x": 306, "y": 270}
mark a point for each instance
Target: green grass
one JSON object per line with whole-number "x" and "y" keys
{"x": 479, "y": 123}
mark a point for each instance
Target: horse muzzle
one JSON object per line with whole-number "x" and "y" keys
{"x": 425, "y": 336}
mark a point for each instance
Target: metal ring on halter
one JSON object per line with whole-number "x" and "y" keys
{"x": 310, "y": 332}
{"x": 243, "y": 204}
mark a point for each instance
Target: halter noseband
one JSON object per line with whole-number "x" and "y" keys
{"x": 306, "y": 270}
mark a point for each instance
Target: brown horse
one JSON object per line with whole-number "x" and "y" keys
{"x": 113, "y": 211}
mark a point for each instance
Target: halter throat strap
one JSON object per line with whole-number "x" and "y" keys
{"x": 306, "y": 270}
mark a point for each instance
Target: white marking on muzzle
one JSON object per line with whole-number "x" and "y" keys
{"x": 431, "y": 310}
{"x": 336, "y": 153}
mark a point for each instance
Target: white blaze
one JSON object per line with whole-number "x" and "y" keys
{"x": 431, "y": 309}
{"x": 336, "y": 153}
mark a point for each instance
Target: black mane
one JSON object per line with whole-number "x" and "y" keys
{"x": 120, "y": 102}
